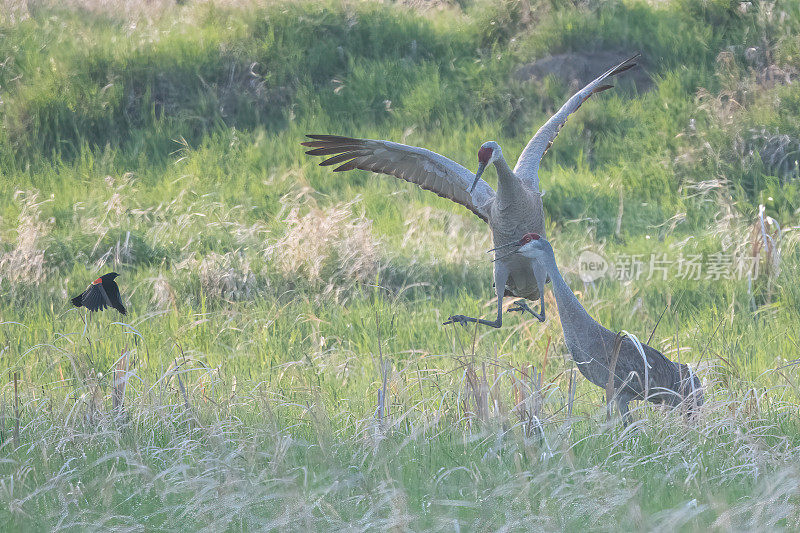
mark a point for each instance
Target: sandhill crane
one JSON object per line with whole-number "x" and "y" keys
{"x": 514, "y": 210}
{"x": 652, "y": 377}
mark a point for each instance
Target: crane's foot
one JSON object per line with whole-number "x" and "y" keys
{"x": 464, "y": 320}
{"x": 522, "y": 307}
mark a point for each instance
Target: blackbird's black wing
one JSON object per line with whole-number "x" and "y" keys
{"x": 119, "y": 307}
{"x": 114, "y": 298}
{"x": 95, "y": 298}
{"x": 98, "y": 296}
{"x": 77, "y": 301}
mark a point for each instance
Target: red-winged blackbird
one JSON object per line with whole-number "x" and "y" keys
{"x": 102, "y": 293}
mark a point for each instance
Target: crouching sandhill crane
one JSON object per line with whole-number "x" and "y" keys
{"x": 652, "y": 377}
{"x": 514, "y": 210}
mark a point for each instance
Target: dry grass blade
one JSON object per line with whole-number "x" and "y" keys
{"x": 610, "y": 393}
{"x": 16, "y": 409}
{"x": 120, "y": 382}
{"x": 331, "y": 248}
{"x": 765, "y": 236}
{"x": 382, "y": 410}
{"x": 25, "y": 263}
{"x": 571, "y": 394}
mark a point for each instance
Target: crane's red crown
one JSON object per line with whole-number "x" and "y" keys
{"x": 528, "y": 237}
{"x": 484, "y": 154}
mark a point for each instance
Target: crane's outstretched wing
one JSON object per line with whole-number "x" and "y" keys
{"x": 527, "y": 168}
{"x": 429, "y": 170}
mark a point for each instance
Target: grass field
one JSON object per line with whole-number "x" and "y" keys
{"x": 272, "y": 301}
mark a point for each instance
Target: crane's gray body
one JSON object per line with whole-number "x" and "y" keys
{"x": 516, "y": 210}
{"x": 592, "y": 348}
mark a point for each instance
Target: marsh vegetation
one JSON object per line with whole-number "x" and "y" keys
{"x": 283, "y": 363}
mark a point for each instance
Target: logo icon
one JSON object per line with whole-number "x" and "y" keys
{"x": 591, "y": 266}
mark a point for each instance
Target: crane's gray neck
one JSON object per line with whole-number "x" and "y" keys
{"x": 509, "y": 187}
{"x": 574, "y": 318}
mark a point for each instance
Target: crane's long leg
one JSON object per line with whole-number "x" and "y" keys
{"x": 501, "y": 272}
{"x": 622, "y": 405}
{"x": 541, "y": 276}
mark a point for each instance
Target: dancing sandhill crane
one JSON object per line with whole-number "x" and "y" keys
{"x": 652, "y": 377}
{"x": 514, "y": 210}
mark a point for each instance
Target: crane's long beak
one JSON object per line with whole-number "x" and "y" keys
{"x": 503, "y": 247}
{"x": 481, "y": 168}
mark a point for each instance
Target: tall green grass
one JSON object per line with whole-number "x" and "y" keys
{"x": 265, "y": 291}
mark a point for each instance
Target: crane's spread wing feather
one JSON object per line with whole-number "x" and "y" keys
{"x": 427, "y": 169}
{"x": 527, "y": 168}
